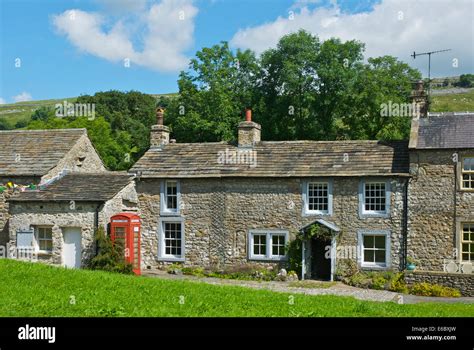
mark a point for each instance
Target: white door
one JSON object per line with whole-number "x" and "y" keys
{"x": 72, "y": 247}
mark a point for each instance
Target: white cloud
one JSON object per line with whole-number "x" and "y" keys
{"x": 2, "y": 101}
{"x": 23, "y": 97}
{"x": 393, "y": 27}
{"x": 168, "y": 29}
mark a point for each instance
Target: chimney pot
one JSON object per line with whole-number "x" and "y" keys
{"x": 249, "y": 131}
{"x": 248, "y": 115}
{"x": 159, "y": 116}
{"x": 160, "y": 134}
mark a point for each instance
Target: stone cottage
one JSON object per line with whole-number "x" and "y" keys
{"x": 31, "y": 157}
{"x": 441, "y": 200}
{"x": 218, "y": 204}
{"x": 59, "y": 220}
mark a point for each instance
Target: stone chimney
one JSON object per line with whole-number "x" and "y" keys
{"x": 160, "y": 134}
{"x": 249, "y": 131}
{"x": 419, "y": 99}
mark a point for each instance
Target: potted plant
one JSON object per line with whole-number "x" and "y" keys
{"x": 410, "y": 264}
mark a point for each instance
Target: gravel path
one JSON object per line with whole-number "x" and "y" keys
{"x": 334, "y": 288}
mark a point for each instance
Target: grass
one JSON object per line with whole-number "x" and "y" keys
{"x": 22, "y": 111}
{"x": 34, "y": 289}
{"x": 453, "y": 102}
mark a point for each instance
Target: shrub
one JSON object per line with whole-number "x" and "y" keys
{"x": 294, "y": 251}
{"x": 397, "y": 283}
{"x": 110, "y": 256}
{"x": 346, "y": 268}
{"x": 433, "y": 290}
{"x": 360, "y": 280}
{"x": 378, "y": 282}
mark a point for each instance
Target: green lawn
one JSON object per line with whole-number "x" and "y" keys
{"x": 33, "y": 289}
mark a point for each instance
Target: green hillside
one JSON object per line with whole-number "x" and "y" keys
{"x": 453, "y": 102}
{"x": 13, "y": 113}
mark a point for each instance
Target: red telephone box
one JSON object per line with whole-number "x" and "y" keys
{"x": 125, "y": 227}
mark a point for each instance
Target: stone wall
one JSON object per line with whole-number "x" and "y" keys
{"x": 436, "y": 208}
{"x": 81, "y": 158}
{"x": 4, "y": 205}
{"x": 124, "y": 201}
{"x": 464, "y": 283}
{"x": 218, "y": 213}
{"x": 57, "y": 216}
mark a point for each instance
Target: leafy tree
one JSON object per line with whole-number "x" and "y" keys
{"x": 4, "y": 125}
{"x": 382, "y": 80}
{"x": 120, "y": 129}
{"x": 112, "y": 146}
{"x": 466, "y": 81}
{"x": 324, "y": 91}
{"x": 43, "y": 113}
{"x": 212, "y": 95}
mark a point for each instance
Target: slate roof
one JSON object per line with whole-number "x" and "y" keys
{"x": 443, "y": 131}
{"x": 80, "y": 187}
{"x": 34, "y": 152}
{"x": 277, "y": 159}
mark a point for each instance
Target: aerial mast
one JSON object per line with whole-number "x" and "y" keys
{"x": 429, "y": 64}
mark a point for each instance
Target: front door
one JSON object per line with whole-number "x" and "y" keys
{"x": 320, "y": 259}
{"x": 72, "y": 247}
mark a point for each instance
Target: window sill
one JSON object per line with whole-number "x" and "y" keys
{"x": 256, "y": 258}
{"x": 374, "y": 267}
{"x": 170, "y": 258}
{"x": 364, "y": 215}
{"x": 316, "y": 213}
{"x": 44, "y": 253}
{"x": 170, "y": 213}
{"x": 466, "y": 190}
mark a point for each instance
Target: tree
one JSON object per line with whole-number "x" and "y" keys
{"x": 382, "y": 80}
{"x": 119, "y": 129}
{"x": 212, "y": 95}
{"x": 466, "y": 81}
{"x": 43, "y": 113}
{"x": 324, "y": 91}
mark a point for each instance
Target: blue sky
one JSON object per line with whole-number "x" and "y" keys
{"x": 74, "y": 47}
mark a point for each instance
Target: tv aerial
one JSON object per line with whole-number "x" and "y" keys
{"x": 429, "y": 63}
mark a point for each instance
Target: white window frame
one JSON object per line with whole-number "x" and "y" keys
{"x": 268, "y": 254}
{"x": 161, "y": 240}
{"x": 360, "y": 249}
{"x": 37, "y": 240}
{"x": 374, "y": 213}
{"x": 163, "y": 198}
{"x": 462, "y": 241}
{"x": 306, "y": 210}
{"x": 466, "y": 172}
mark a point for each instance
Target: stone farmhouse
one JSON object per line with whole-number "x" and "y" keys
{"x": 376, "y": 204}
